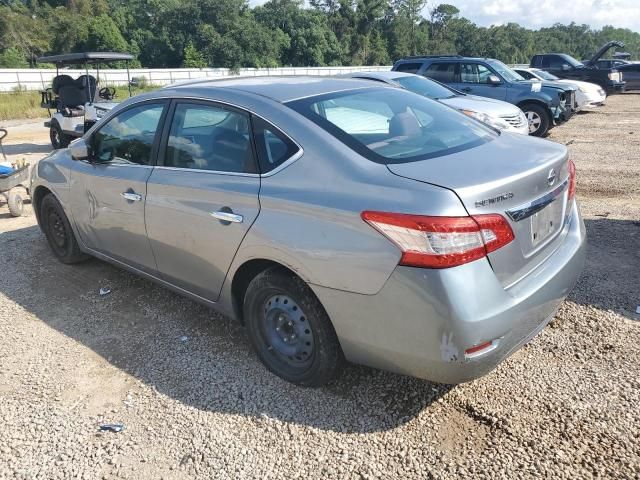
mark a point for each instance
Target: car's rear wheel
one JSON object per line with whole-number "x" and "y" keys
{"x": 58, "y": 231}
{"x": 538, "y": 118}
{"x": 290, "y": 330}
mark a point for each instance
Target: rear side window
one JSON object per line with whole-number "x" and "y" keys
{"x": 208, "y": 137}
{"x": 274, "y": 147}
{"x": 441, "y": 71}
{"x": 389, "y": 125}
{"x": 408, "y": 67}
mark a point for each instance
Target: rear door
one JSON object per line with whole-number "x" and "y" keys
{"x": 202, "y": 198}
{"x": 474, "y": 79}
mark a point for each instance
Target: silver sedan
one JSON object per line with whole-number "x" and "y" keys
{"x": 335, "y": 218}
{"x": 498, "y": 114}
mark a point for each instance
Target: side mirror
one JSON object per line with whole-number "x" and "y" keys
{"x": 494, "y": 80}
{"x": 79, "y": 149}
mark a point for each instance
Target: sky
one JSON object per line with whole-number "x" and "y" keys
{"x": 544, "y": 13}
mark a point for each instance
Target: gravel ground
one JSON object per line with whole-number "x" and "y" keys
{"x": 197, "y": 404}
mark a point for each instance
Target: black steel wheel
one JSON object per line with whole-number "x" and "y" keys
{"x": 290, "y": 330}
{"x": 58, "y": 231}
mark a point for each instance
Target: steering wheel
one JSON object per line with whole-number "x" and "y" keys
{"x": 107, "y": 93}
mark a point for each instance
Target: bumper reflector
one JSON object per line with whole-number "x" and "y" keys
{"x": 481, "y": 349}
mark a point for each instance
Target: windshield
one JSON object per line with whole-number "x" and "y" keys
{"x": 504, "y": 71}
{"x": 424, "y": 87}
{"x": 389, "y": 125}
{"x": 544, "y": 75}
{"x": 571, "y": 61}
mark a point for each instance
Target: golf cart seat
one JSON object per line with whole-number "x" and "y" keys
{"x": 71, "y": 100}
{"x": 61, "y": 81}
{"x": 87, "y": 82}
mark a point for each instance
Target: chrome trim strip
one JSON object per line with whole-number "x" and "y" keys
{"x": 528, "y": 209}
{"x": 199, "y": 170}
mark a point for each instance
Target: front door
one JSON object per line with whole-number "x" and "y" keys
{"x": 109, "y": 190}
{"x": 203, "y": 196}
{"x": 474, "y": 79}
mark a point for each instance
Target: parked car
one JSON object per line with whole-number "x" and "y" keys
{"x": 565, "y": 66}
{"x": 544, "y": 104}
{"x": 334, "y": 218}
{"x": 498, "y": 114}
{"x": 631, "y": 75}
{"x": 589, "y": 95}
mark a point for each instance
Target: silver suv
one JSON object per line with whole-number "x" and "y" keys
{"x": 334, "y": 218}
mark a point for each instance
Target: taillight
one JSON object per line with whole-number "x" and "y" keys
{"x": 441, "y": 242}
{"x": 572, "y": 180}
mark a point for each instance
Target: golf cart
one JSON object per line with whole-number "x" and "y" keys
{"x": 80, "y": 102}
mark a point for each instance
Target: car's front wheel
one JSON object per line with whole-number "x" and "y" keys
{"x": 538, "y": 118}
{"x": 290, "y": 330}
{"x": 58, "y": 231}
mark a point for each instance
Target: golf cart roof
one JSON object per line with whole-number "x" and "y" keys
{"x": 84, "y": 57}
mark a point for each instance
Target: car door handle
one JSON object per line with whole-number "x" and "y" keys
{"x": 466, "y": 89}
{"x": 227, "y": 216}
{"x": 131, "y": 196}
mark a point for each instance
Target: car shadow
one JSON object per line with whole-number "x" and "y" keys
{"x": 26, "y": 148}
{"x": 188, "y": 352}
{"x": 612, "y": 272}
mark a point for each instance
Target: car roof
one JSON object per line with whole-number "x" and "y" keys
{"x": 281, "y": 88}
{"x": 441, "y": 57}
{"x": 89, "y": 57}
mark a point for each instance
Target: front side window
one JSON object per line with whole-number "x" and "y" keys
{"x": 128, "y": 137}
{"x": 388, "y": 125}
{"x": 209, "y": 137}
{"x": 474, "y": 73}
{"x": 444, "y": 72}
{"x": 273, "y": 147}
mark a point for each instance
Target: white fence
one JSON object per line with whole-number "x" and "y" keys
{"x": 38, "y": 79}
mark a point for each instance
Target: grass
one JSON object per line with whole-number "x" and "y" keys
{"x": 26, "y": 104}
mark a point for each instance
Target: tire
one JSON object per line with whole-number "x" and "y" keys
{"x": 290, "y": 330}
{"x": 539, "y": 119}
{"x": 58, "y": 138}
{"x": 16, "y": 204}
{"x": 58, "y": 231}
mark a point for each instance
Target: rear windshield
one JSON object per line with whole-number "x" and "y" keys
{"x": 424, "y": 87}
{"x": 388, "y": 125}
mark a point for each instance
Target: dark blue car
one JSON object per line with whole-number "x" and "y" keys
{"x": 544, "y": 103}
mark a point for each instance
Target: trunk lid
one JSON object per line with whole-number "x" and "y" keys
{"x": 524, "y": 179}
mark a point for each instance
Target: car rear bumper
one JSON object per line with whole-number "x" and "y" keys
{"x": 423, "y": 320}
{"x": 616, "y": 87}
